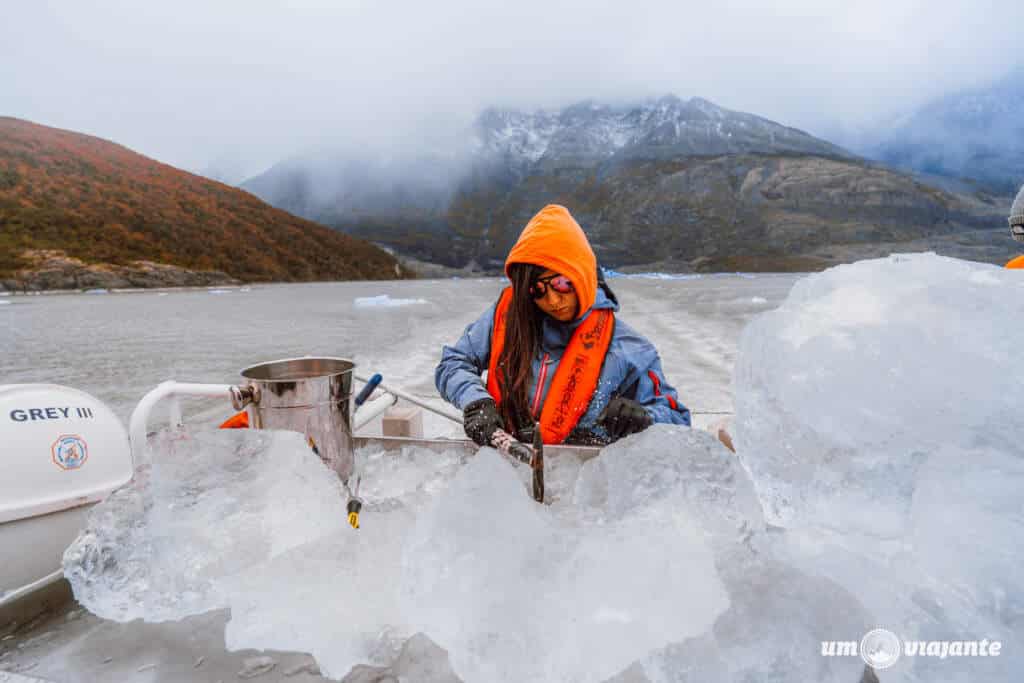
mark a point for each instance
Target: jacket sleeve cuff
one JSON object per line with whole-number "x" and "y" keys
{"x": 472, "y": 393}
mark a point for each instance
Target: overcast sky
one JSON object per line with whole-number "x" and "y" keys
{"x": 245, "y": 83}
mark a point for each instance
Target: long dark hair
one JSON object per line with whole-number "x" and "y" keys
{"x": 522, "y": 339}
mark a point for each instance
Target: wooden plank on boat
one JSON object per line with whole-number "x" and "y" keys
{"x": 462, "y": 446}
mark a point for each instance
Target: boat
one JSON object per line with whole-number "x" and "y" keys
{"x": 69, "y": 451}
{"x": 66, "y": 451}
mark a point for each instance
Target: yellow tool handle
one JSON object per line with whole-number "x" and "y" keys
{"x": 354, "y": 506}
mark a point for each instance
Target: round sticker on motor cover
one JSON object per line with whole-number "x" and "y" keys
{"x": 69, "y": 451}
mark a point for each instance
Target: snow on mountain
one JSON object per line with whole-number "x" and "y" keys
{"x": 581, "y": 135}
{"x": 514, "y": 133}
{"x": 668, "y": 126}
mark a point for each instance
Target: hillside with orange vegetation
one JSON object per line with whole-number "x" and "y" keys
{"x": 102, "y": 203}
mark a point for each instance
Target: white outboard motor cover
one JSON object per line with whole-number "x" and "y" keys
{"x": 60, "y": 448}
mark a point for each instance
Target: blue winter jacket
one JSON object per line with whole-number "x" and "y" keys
{"x": 630, "y": 368}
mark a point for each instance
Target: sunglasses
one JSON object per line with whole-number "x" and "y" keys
{"x": 559, "y": 283}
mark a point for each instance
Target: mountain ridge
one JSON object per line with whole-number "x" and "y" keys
{"x": 683, "y": 182}
{"x": 667, "y": 127}
{"x": 100, "y": 202}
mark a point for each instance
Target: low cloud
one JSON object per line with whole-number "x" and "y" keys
{"x": 242, "y": 84}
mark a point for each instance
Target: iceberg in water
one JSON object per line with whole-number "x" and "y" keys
{"x": 613, "y": 274}
{"x": 385, "y": 301}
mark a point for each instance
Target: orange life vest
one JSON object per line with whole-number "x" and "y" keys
{"x": 1016, "y": 262}
{"x": 576, "y": 377}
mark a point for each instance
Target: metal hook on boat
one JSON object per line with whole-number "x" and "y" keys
{"x": 243, "y": 396}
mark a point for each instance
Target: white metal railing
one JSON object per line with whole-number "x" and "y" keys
{"x": 139, "y": 423}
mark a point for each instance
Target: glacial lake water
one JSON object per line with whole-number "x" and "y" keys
{"x": 117, "y": 346}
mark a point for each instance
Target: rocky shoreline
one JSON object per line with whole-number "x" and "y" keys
{"x": 54, "y": 270}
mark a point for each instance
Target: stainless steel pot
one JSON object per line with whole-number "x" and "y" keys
{"x": 311, "y": 396}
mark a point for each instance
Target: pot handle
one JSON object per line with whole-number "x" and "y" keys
{"x": 371, "y": 384}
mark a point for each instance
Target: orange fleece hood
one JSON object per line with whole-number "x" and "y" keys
{"x": 553, "y": 239}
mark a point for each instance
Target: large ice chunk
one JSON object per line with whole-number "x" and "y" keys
{"x": 688, "y": 466}
{"x": 776, "y": 616}
{"x": 648, "y": 556}
{"x": 569, "y": 585}
{"x": 878, "y": 363}
{"x": 338, "y": 597}
{"x": 879, "y": 411}
{"x": 649, "y": 559}
{"x": 512, "y": 590}
{"x": 207, "y": 507}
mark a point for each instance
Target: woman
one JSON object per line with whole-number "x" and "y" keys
{"x": 554, "y": 352}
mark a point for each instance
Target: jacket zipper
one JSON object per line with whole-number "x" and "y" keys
{"x": 535, "y": 408}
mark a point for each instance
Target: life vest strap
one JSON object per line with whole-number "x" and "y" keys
{"x": 577, "y": 375}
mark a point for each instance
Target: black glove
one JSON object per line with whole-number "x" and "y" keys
{"x": 624, "y": 416}
{"x": 480, "y": 418}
